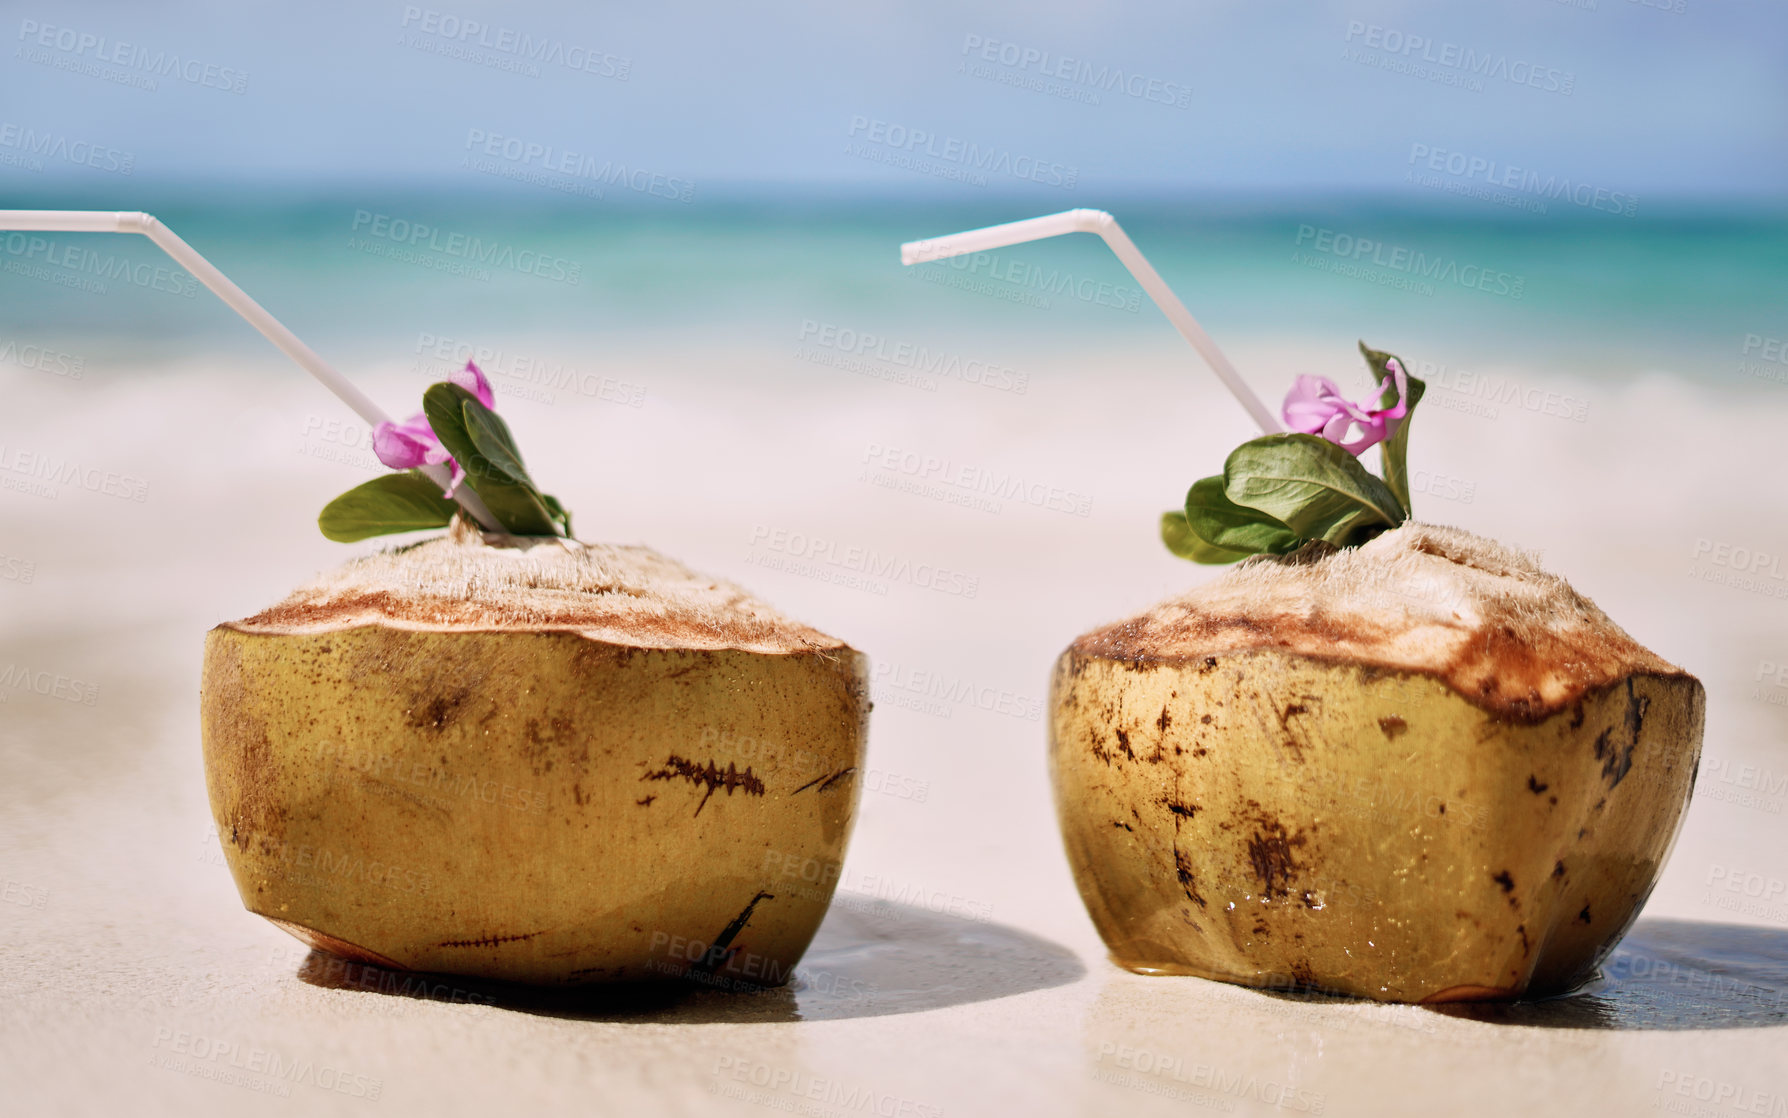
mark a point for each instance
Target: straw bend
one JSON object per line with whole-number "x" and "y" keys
{"x": 238, "y": 300}
{"x": 1107, "y": 228}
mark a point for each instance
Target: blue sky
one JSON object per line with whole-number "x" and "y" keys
{"x": 1260, "y": 96}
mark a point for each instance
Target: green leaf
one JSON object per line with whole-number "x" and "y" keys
{"x": 558, "y": 512}
{"x": 491, "y": 437}
{"x": 1393, "y": 452}
{"x": 444, "y": 406}
{"x": 403, "y": 502}
{"x": 1227, "y": 526}
{"x": 517, "y": 505}
{"x": 1185, "y": 543}
{"x": 1312, "y": 486}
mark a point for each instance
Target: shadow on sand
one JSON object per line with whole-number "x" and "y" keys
{"x": 1667, "y": 975}
{"x": 890, "y": 959}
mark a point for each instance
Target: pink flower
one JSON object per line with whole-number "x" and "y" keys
{"x": 412, "y": 443}
{"x": 471, "y": 378}
{"x": 1315, "y": 406}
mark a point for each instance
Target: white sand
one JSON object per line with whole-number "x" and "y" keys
{"x": 796, "y": 482}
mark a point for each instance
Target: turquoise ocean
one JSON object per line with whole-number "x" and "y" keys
{"x": 1694, "y": 291}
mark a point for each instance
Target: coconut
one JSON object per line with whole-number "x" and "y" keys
{"x": 546, "y": 762}
{"x": 1422, "y": 769}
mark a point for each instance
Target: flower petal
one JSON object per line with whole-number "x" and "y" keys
{"x": 417, "y": 427}
{"x": 459, "y": 475}
{"x": 1335, "y": 430}
{"x": 1308, "y": 388}
{"x": 1311, "y": 403}
{"x": 1395, "y": 368}
{"x": 401, "y": 449}
{"x": 471, "y": 378}
{"x": 1315, "y": 406}
{"x": 1388, "y": 419}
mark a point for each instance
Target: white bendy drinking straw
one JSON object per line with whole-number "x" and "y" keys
{"x": 1106, "y": 226}
{"x": 106, "y": 221}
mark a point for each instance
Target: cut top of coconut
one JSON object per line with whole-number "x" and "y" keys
{"x": 622, "y": 595}
{"x": 1482, "y": 617}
